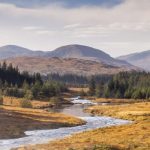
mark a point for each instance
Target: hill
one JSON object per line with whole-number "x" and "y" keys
{"x": 86, "y": 53}
{"x": 72, "y": 59}
{"x": 68, "y": 51}
{"x": 15, "y": 51}
{"x": 76, "y": 66}
{"x": 141, "y": 59}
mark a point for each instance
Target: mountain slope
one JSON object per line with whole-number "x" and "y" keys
{"x": 14, "y": 51}
{"x": 86, "y": 53}
{"x": 68, "y": 51}
{"x": 141, "y": 59}
{"x": 76, "y": 66}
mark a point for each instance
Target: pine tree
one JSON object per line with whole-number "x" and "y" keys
{"x": 92, "y": 87}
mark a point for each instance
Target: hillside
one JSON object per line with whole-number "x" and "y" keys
{"x": 86, "y": 53}
{"x": 68, "y": 51}
{"x": 15, "y": 51}
{"x": 63, "y": 66}
{"x": 141, "y": 59}
{"x": 72, "y": 59}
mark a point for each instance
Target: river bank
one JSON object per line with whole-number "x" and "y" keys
{"x": 14, "y": 121}
{"x": 44, "y": 136}
{"x": 135, "y": 136}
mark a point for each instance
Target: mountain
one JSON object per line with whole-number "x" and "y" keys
{"x": 86, "y": 53}
{"x": 46, "y": 65}
{"x": 15, "y": 51}
{"x": 141, "y": 59}
{"x": 76, "y": 59}
{"x": 68, "y": 51}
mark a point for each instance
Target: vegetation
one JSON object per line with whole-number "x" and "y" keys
{"x": 1, "y": 100}
{"x": 22, "y": 85}
{"x": 123, "y": 85}
{"x": 76, "y": 80}
{"x": 57, "y": 101}
{"x": 25, "y": 103}
{"x": 134, "y": 136}
{"x": 14, "y": 121}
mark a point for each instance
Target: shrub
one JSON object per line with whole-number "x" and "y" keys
{"x": 28, "y": 95}
{"x": 1, "y": 100}
{"x": 56, "y": 101}
{"x": 104, "y": 147}
{"x": 25, "y": 103}
{"x": 82, "y": 93}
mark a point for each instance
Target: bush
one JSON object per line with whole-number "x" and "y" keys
{"x": 104, "y": 147}
{"x": 82, "y": 93}
{"x": 26, "y": 103}
{"x": 1, "y": 100}
{"x": 57, "y": 101}
{"x": 28, "y": 95}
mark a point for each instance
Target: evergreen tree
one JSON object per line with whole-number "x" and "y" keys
{"x": 92, "y": 87}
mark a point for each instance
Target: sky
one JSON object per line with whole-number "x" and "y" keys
{"x": 117, "y": 27}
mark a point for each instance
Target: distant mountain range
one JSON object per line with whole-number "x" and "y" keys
{"x": 69, "y": 51}
{"x": 141, "y": 59}
{"x": 76, "y": 59}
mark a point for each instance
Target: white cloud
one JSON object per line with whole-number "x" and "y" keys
{"x": 118, "y": 30}
{"x": 31, "y": 28}
{"x": 70, "y": 26}
{"x": 45, "y": 32}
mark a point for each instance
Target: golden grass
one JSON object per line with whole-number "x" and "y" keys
{"x": 135, "y": 111}
{"x": 15, "y": 102}
{"x": 14, "y": 121}
{"x": 78, "y": 89}
{"x": 135, "y": 136}
{"x": 39, "y": 114}
{"x": 114, "y": 100}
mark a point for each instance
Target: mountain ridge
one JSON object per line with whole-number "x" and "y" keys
{"x": 141, "y": 59}
{"x": 87, "y": 53}
{"x": 90, "y": 57}
{"x": 68, "y": 51}
{"x": 8, "y": 51}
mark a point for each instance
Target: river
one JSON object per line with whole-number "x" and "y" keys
{"x": 43, "y": 136}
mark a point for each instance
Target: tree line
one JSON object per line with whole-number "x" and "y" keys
{"x": 76, "y": 80}
{"x": 134, "y": 85}
{"x": 23, "y": 85}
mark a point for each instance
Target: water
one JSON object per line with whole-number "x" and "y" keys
{"x": 43, "y": 136}
{"x": 74, "y": 110}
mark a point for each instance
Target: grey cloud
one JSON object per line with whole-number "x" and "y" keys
{"x": 65, "y": 3}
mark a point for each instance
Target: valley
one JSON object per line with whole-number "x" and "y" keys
{"x": 69, "y": 98}
{"x": 74, "y": 74}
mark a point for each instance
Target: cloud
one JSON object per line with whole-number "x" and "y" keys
{"x": 30, "y": 28}
{"x": 118, "y": 30}
{"x": 64, "y": 3}
{"x": 45, "y": 32}
{"x": 70, "y": 26}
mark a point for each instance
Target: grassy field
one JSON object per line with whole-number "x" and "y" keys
{"x": 135, "y": 136}
{"x": 113, "y": 100}
{"x": 14, "y": 121}
{"x": 16, "y": 102}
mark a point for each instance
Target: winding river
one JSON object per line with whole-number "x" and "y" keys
{"x": 43, "y": 136}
